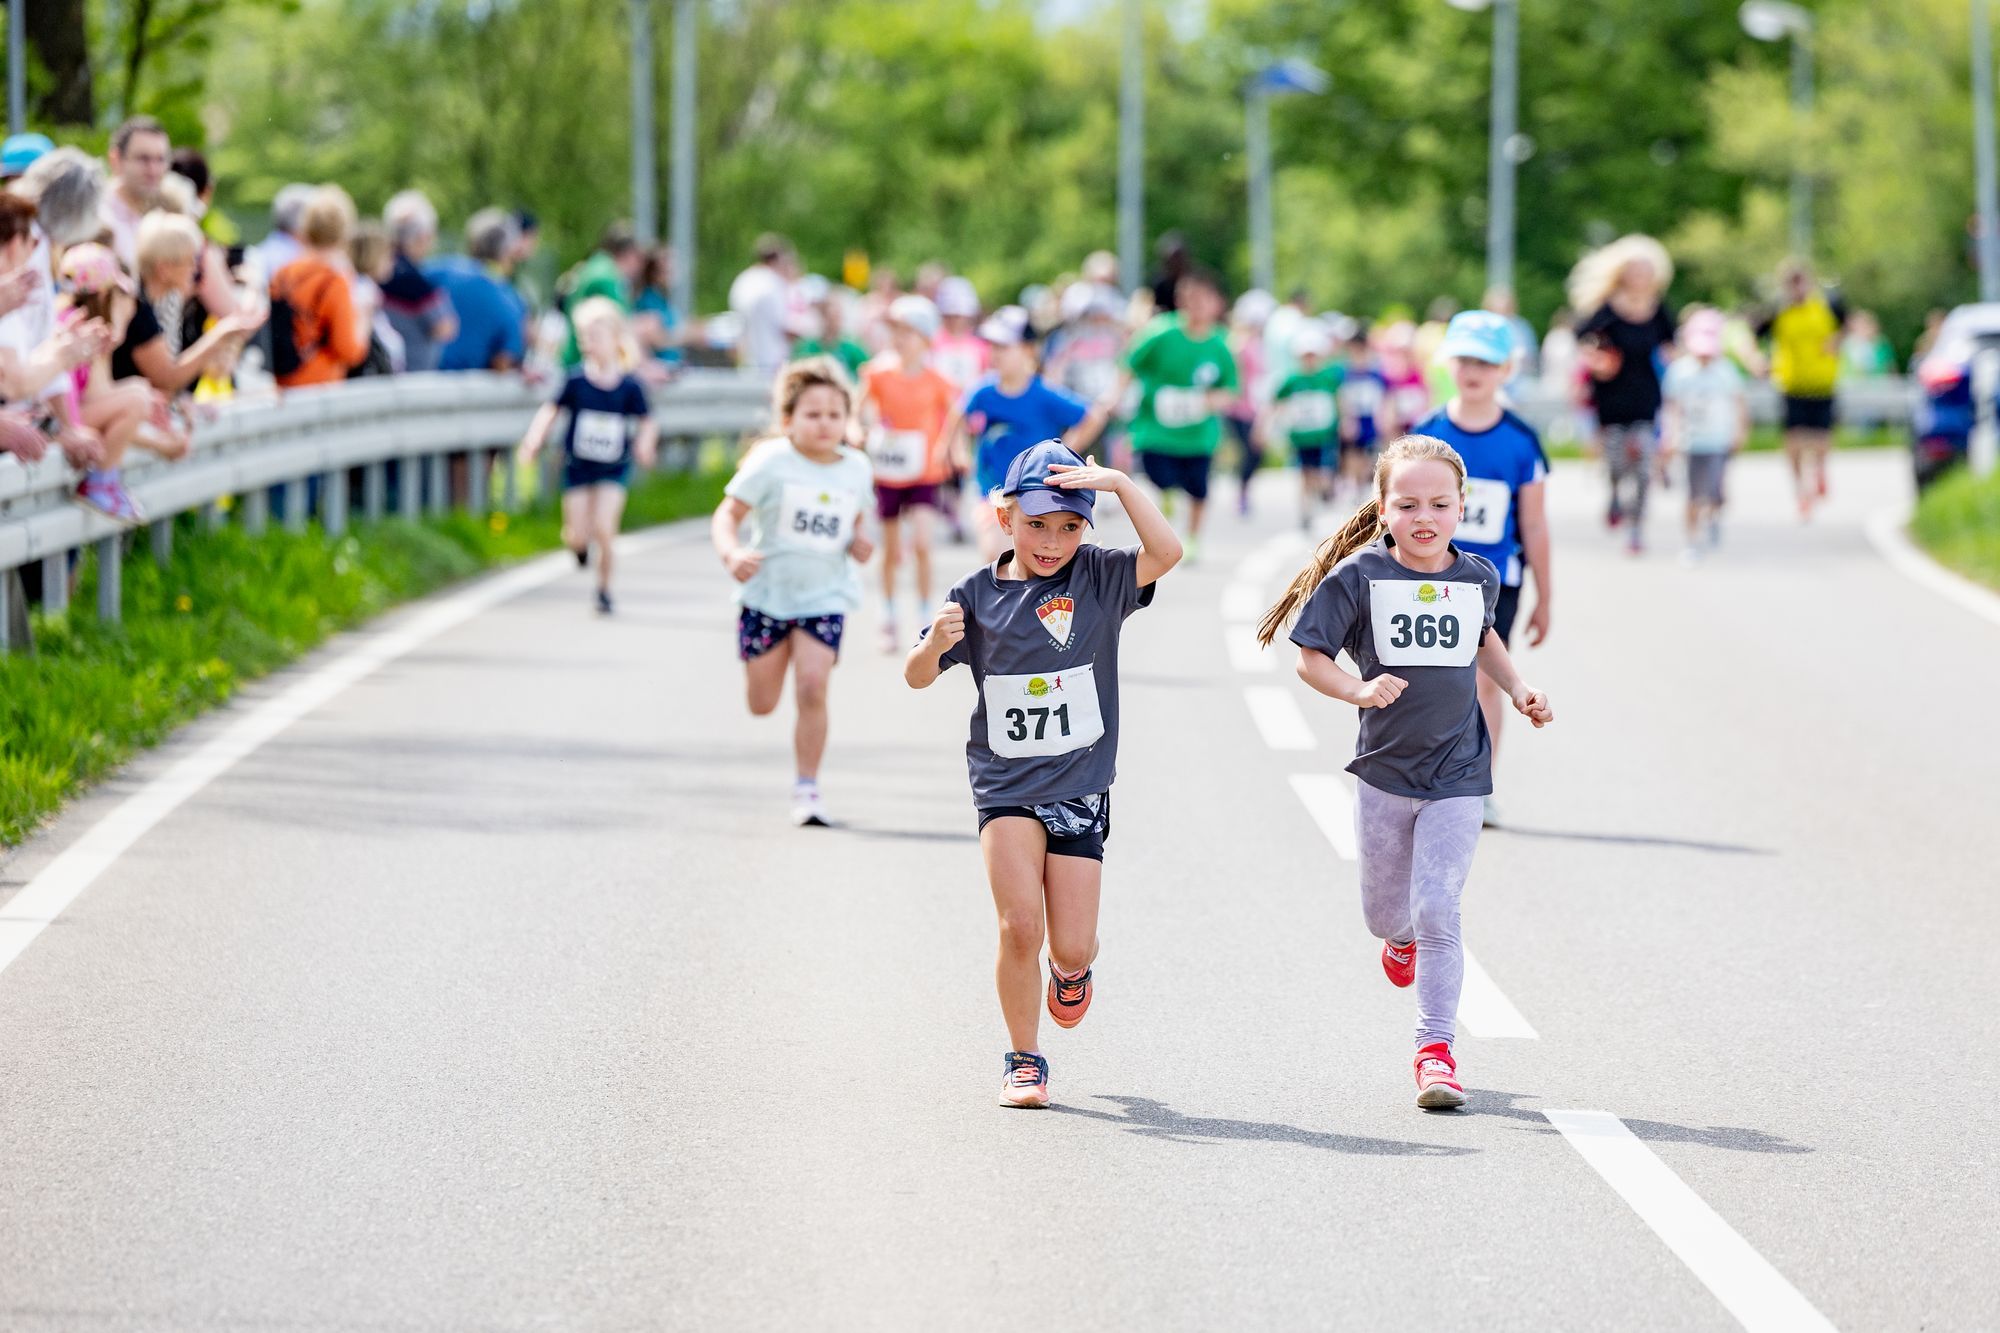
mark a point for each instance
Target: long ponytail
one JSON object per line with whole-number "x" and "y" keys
{"x": 1363, "y": 529}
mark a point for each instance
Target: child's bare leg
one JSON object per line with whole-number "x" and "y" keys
{"x": 892, "y": 559}
{"x": 812, "y": 669}
{"x": 1015, "y": 849}
{"x": 576, "y": 518}
{"x": 607, "y": 511}
{"x": 765, "y": 677}
{"x": 1073, "y": 888}
{"x": 922, "y": 521}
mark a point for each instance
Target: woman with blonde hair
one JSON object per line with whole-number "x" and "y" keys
{"x": 1627, "y": 328}
{"x": 312, "y": 304}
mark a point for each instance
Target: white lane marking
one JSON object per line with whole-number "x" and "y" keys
{"x": 1279, "y": 718}
{"x": 1886, "y": 533}
{"x": 1485, "y": 1011}
{"x": 44, "y": 898}
{"x": 1245, "y": 654}
{"x": 1742, "y": 1279}
{"x": 1243, "y": 601}
{"x": 1326, "y": 800}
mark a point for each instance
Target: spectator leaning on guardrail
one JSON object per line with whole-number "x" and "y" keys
{"x": 139, "y": 156}
{"x": 62, "y": 189}
{"x": 418, "y": 308}
{"x": 316, "y": 337}
{"x": 155, "y": 346}
{"x": 270, "y": 255}
{"x": 610, "y": 272}
{"x": 374, "y": 259}
{"x": 492, "y": 321}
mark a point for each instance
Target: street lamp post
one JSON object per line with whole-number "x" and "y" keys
{"x": 1132, "y": 148}
{"x": 681, "y": 204}
{"x": 1984, "y": 173}
{"x": 1774, "y": 21}
{"x": 17, "y": 65}
{"x": 1501, "y": 135}
{"x": 644, "y": 223}
{"x": 1287, "y": 76}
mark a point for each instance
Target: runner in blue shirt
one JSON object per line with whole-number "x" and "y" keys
{"x": 1010, "y": 411}
{"x": 1506, "y": 517}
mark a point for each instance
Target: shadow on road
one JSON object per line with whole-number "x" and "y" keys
{"x": 1156, "y": 1120}
{"x": 908, "y": 834}
{"x": 1479, "y": 1101}
{"x": 1635, "y": 840}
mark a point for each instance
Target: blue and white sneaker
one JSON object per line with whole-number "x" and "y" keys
{"x": 1026, "y": 1084}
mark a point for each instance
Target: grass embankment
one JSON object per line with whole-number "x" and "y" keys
{"x": 1958, "y": 522}
{"x": 228, "y": 608}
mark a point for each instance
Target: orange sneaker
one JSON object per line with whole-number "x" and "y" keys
{"x": 1437, "y": 1079}
{"x": 1069, "y": 997}
{"x": 1400, "y": 961}
{"x": 1026, "y": 1084}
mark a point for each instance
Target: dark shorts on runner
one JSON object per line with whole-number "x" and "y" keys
{"x": 757, "y": 633}
{"x": 1177, "y": 472}
{"x": 891, "y": 502}
{"x": 1504, "y": 611}
{"x": 1076, "y": 827}
{"x": 1705, "y": 477}
{"x": 1313, "y": 456}
{"x": 1808, "y": 413}
{"x": 578, "y": 474}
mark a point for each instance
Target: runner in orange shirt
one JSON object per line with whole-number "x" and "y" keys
{"x": 904, "y": 406}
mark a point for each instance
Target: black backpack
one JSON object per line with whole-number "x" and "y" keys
{"x": 286, "y": 354}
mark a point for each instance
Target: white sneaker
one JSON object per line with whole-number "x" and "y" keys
{"x": 891, "y": 640}
{"x": 808, "y": 811}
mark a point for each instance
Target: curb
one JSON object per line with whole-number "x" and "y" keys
{"x": 1887, "y": 531}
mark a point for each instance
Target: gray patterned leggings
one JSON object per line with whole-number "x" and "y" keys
{"x": 1415, "y": 856}
{"x": 1628, "y": 454}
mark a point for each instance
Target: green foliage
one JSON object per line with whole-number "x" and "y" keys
{"x": 226, "y": 609}
{"x": 1958, "y": 521}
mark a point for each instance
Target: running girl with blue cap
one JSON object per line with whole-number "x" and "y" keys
{"x": 1414, "y": 613}
{"x": 1039, "y": 629}
{"x": 1506, "y": 509}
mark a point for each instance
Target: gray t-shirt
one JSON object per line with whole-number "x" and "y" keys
{"x": 1044, "y": 654}
{"x": 1425, "y": 628}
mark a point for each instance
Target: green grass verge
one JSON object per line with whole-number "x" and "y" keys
{"x": 1958, "y": 522}
{"x": 1768, "y": 439}
{"x": 228, "y": 608}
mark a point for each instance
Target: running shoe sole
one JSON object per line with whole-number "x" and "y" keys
{"x": 126, "y": 523}
{"x": 1036, "y": 1099}
{"x": 1440, "y": 1097}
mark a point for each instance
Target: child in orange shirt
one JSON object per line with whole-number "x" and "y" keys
{"x": 904, "y": 406}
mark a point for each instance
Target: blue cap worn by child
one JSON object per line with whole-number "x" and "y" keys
{"x": 1029, "y": 482}
{"x": 19, "y": 152}
{"x": 1479, "y": 335}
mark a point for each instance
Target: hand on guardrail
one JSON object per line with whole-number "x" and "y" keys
{"x": 81, "y": 445}
{"x": 19, "y": 437}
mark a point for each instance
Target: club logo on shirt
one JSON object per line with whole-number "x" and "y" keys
{"x": 1057, "y": 615}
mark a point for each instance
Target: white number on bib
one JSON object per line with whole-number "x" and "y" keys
{"x": 1175, "y": 408}
{"x": 1486, "y": 506}
{"x": 899, "y": 456}
{"x": 1310, "y": 413}
{"x": 1044, "y": 714}
{"x": 599, "y": 437}
{"x": 1419, "y": 623}
{"x": 811, "y": 519}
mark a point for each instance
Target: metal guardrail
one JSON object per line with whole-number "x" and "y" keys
{"x": 328, "y": 450}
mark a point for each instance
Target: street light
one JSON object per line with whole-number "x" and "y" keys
{"x": 1132, "y": 148}
{"x": 1774, "y": 21}
{"x": 681, "y": 201}
{"x": 644, "y": 221}
{"x": 1503, "y": 153}
{"x": 1287, "y": 76}
{"x": 1982, "y": 142}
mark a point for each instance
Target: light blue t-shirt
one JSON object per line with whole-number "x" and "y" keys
{"x": 1499, "y": 461}
{"x": 1005, "y": 425}
{"x": 802, "y": 516}
{"x": 1710, "y": 399}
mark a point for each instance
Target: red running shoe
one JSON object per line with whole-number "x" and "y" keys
{"x": 1069, "y": 997}
{"x": 1437, "y": 1079}
{"x": 1400, "y": 961}
{"x": 1026, "y": 1084}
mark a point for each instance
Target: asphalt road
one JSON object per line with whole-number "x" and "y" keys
{"x": 497, "y": 992}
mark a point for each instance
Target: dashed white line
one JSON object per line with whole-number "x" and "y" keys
{"x": 1279, "y": 718}
{"x": 1326, "y": 800}
{"x": 1243, "y": 601}
{"x": 1485, "y": 1011}
{"x": 1245, "y": 654}
{"x": 1743, "y": 1280}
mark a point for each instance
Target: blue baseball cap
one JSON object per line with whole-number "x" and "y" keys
{"x": 19, "y": 152}
{"x": 1480, "y": 335}
{"x": 1028, "y": 482}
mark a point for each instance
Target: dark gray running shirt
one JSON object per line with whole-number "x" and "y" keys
{"x": 1425, "y": 628}
{"x": 1044, "y": 655}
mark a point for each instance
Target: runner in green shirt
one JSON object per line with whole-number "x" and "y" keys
{"x": 1305, "y": 412}
{"x": 1184, "y": 370}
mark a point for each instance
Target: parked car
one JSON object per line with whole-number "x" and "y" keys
{"x": 1943, "y": 413}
